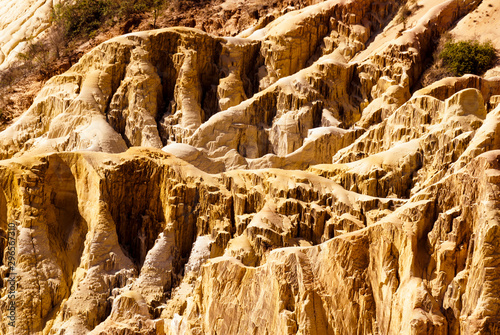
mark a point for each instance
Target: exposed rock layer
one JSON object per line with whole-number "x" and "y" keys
{"x": 285, "y": 181}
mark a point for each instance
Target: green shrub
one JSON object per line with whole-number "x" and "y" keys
{"x": 83, "y": 17}
{"x": 125, "y": 8}
{"x": 468, "y": 57}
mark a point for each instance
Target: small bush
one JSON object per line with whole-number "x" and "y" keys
{"x": 468, "y": 57}
{"x": 36, "y": 55}
{"x": 404, "y": 13}
{"x": 83, "y": 17}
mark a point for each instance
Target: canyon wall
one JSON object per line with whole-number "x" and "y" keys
{"x": 292, "y": 179}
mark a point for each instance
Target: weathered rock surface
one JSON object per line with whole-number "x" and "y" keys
{"x": 22, "y": 22}
{"x": 285, "y": 181}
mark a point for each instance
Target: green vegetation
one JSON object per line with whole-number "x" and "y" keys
{"x": 81, "y": 18}
{"x": 468, "y": 57}
{"x": 85, "y": 17}
{"x": 73, "y": 23}
{"x": 36, "y": 56}
{"x": 404, "y": 13}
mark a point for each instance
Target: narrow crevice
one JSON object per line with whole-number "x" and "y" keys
{"x": 3, "y": 228}
{"x": 36, "y": 280}
{"x": 116, "y": 82}
{"x": 136, "y": 206}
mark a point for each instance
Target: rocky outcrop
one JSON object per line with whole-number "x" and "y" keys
{"x": 289, "y": 180}
{"x": 109, "y": 242}
{"x": 269, "y": 229}
{"x": 176, "y": 85}
{"x": 241, "y": 100}
{"x": 22, "y": 23}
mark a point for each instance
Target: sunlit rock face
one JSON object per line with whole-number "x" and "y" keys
{"x": 290, "y": 180}
{"x": 21, "y": 23}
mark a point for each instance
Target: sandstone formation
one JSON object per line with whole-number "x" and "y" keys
{"x": 288, "y": 180}
{"x": 35, "y": 47}
{"x": 21, "y": 23}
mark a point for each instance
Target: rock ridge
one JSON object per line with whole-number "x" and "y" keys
{"x": 288, "y": 180}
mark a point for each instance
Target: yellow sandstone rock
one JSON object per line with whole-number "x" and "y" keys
{"x": 286, "y": 181}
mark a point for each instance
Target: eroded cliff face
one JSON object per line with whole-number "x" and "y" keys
{"x": 289, "y": 180}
